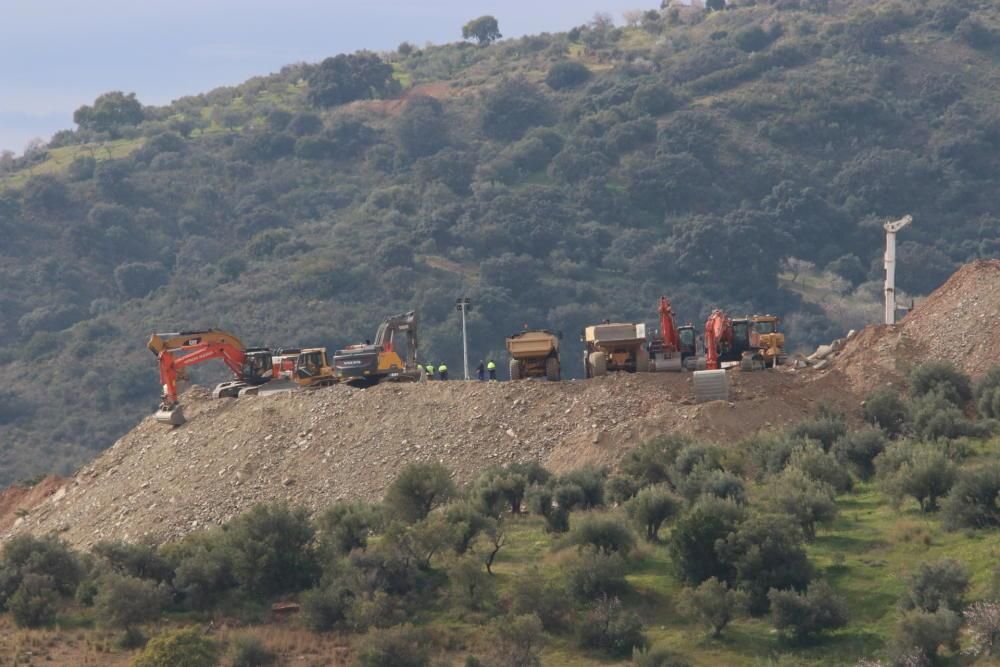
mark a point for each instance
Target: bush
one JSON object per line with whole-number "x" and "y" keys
{"x": 136, "y": 560}
{"x": 472, "y": 587}
{"x": 976, "y": 34}
{"x": 807, "y": 501}
{"x": 606, "y": 533}
{"x": 35, "y": 601}
{"x": 47, "y": 556}
{"x": 974, "y": 499}
{"x": 654, "y": 99}
{"x": 934, "y": 417}
{"x": 822, "y": 466}
{"x": 983, "y": 620}
{"x": 514, "y": 642}
{"x": 808, "y": 614}
{"x": 611, "y": 628}
{"x": 512, "y": 108}
{"x": 694, "y": 536}
{"x": 326, "y": 607}
{"x": 657, "y": 656}
{"x": 987, "y": 394}
{"x": 467, "y": 521}
{"x": 345, "y": 526}
{"x": 541, "y": 500}
{"x": 825, "y": 429}
{"x": 886, "y": 410}
{"x": 923, "y": 633}
{"x": 924, "y": 472}
{"x": 714, "y": 603}
{"x": 858, "y": 449}
{"x": 533, "y": 593}
{"x": 179, "y": 648}
{"x": 418, "y": 489}
{"x": 590, "y": 481}
{"x": 651, "y": 507}
{"x": 123, "y": 601}
{"x": 941, "y": 377}
{"x": 422, "y": 128}
{"x": 651, "y": 461}
{"x": 594, "y": 574}
{"x": 621, "y": 488}
{"x": 400, "y": 646}
{"x": 249, "y": 651}
{"x": 766, "y": 552}
{"x": 769, "y": 453}
{"x": 136, "y": 280}
{"x": 204, "y": 570}
{"x": 567, "y": 74}
{"x": 270, "y": 547}
{"x": 936, "y": 585}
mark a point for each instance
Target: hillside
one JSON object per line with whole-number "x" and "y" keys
{"x": 557, "y": 180}
{"x": 314, "y": 448}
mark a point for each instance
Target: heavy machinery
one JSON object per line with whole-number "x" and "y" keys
{"x": 766, "y": 341}
{"x": 534, "y": 353}
{"x": 671, "y": 346}
{"x": 367, "y": 364}
{"x": 175, "y": 352}
{"x": 312, "y": 369}
{"x": 614, "y": 347}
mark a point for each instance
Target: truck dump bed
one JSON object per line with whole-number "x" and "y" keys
{"x": 616, "y": 333}
{"x": 531, "y": 344}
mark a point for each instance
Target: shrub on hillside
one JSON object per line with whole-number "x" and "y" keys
{"x": 611, "y": 628}
{"x": 399, "y": 646}
{"x": 766, "y": 552}
{"x": 593, "y": 574}
{"x": 650, "y": 508}
{"x": 920, "y": 634}
{"x": 605, "y": 532}
{"x": 533, "y": 593}
{"x": 472, "y": 587}
{"x": 934, "y": 417}
{"x": 590, "y": 480}
{"x": 418, "y": 489}
{"x": 923, "y": 472}
{"x": 514, "y": 642}
{"x": 822, "y": 466}
{"x": 270, "y": 548}
{"x": 809, "y": 613}
{"x": 936, "y": 585}
{"x": 35, "y": 601}
{"x": 974, "y": 499}
{"x": 858, "y": 450}
{"x": 567, "y": 74}
{"x": 345, "y": 526}
{"x": 692, "y": 544}
{"x": 825, "y": 429}
{"x": 47, "y": 556}
{"x": 512, "y": 108}
{"x": 186, "y": 647}
{"x": 802, "y": 498}
{"x": 326, "y": 607}
{"x": 249, "y": 651}
{"x": 987, "y": 394}
{"x": 941, "y": 377}
{"x": 621, "y": 488}
{"x": 977, "y": 34}
{"x": 203, "y": 570}
{"x": 884, "y": 408}
{"x": 769, "y": 453}
{"x": 541, "y": 501}
{"x": 714, "y": 603}
{"x": 136, "y": 560}
{"x": 124, "y": 601}
{"x": 650, "y": 462}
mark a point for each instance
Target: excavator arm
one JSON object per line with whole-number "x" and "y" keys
{"x": 718, "y": 330}
{"x": 668, "y": 330}
{"x": 385, "y": 337}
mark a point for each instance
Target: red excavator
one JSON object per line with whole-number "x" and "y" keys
{"x": 672, "y": 345}
{"x": 718, "y": 337}
{"x": 177, "y": 351}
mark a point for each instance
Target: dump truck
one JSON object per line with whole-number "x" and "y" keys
{"x": 614, "y": 346}
{"x": 534, "y": 354}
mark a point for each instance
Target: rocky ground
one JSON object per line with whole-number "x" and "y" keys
{"x": 312, "y": 448}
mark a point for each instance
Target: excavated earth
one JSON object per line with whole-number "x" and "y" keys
{"x": 311, "y": 448}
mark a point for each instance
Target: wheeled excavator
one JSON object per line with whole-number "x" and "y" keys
{"x": 175, "y": 352}
{"x": 391, "y": 357}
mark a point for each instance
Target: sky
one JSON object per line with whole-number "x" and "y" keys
{"x": 61, "y": 54}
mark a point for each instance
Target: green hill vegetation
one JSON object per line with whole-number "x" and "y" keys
{"x": 819, "y": 545}
{"x": 556, "y": 179}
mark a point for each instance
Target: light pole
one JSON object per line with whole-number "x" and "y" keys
{"x": 890, "y": 266}
{"x": 464, "y": 305}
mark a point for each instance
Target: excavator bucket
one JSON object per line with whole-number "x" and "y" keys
{"x": 174, "y": 417}
{"x": 667, "y": 365}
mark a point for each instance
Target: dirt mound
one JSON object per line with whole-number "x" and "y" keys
{"x": 958, "y": 322}
{"x": 18, "y": 499}
{"x": 312, "y": 448}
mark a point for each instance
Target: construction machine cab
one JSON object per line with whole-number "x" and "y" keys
{"x": 385, "y": 358}
{"x": 258, "y": 366}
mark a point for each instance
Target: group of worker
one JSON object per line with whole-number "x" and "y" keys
{"x": 482, "y": 370}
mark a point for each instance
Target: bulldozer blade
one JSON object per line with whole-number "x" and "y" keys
{"x": 174, "y": 417}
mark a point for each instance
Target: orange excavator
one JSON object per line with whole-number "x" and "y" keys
{"x": 718, "y": 338}
{"x": 672, "y": 345}
{"x": 175, "y": 352}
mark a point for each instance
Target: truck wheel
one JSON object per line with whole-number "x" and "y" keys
{"x": 515, "y": 369}
{"x": 642, "y": 361}
{"x": 598, "y": 364}
{"x": 552, "y": 369}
